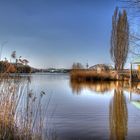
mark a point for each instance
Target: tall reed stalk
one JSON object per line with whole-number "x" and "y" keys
{"x": 20, "y": 110}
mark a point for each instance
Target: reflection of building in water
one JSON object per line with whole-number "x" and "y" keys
{"x": 118, "y": 116}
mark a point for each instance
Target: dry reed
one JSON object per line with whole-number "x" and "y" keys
{"x": 91, "y": 75}
{"x": 21, "y": 114}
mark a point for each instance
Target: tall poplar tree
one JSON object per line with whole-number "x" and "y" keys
{"x": 119, "y": 39}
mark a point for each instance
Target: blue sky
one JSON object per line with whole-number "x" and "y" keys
{"x": 56, "y": 33}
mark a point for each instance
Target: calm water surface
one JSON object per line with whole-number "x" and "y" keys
{"x": 85, "y": 111}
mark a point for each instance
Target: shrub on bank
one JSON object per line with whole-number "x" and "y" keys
{"x": 6, "y": 67}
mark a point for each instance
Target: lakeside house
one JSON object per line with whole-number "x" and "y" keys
{"x": 101, "y": 67}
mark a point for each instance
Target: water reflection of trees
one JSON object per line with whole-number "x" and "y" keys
{"x": 118, "y": 116}
{"x": 102, "y": 87}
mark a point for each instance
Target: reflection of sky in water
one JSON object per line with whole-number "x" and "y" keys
{"x": 84, "y": 115}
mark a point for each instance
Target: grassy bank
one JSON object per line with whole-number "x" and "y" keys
{"x": 92, "y": 75}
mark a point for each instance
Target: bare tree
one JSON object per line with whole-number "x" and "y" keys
{"x": 119, "y": 39}
{"x": 133, "y": 7}
{"x": 133, "y": 4}
{"x": 77, "y": 66}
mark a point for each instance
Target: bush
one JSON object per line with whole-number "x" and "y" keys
{"x": 6, "y": 67}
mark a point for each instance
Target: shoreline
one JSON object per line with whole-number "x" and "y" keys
{"x": 93, "y": 75}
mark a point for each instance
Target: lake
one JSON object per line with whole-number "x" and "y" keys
{"x": 87, "y": 111}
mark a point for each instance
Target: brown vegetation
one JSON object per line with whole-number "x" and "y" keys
{"x": 19, "y": 122}
{"x": 87, "y": 75}
{"x": 22, "y": 116}
{"x": 6, "y": 67}
{"x": 91, "y": 75}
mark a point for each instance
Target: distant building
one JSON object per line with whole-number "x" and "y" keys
{"x": 101, "y": 67}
